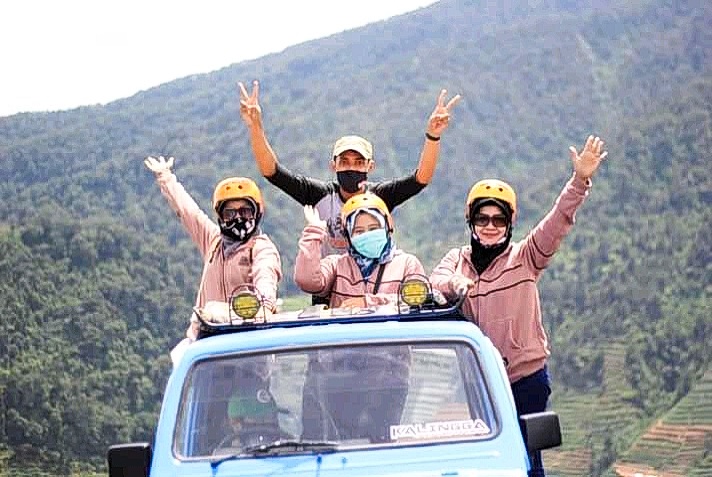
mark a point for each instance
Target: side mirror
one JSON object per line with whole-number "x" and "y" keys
{"x": 541, "y": 430}
{"x": 132, "y": 460}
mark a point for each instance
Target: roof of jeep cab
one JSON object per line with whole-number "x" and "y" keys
{"x": 312, "y": 316}
{"x": 327, "y": 333}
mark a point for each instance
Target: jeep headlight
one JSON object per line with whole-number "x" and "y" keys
{"x": 245, "y": 305}
{"x": 414, "y": 292}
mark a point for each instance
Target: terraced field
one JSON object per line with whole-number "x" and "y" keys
{"x": 680, "y": 443}
{"x": 567, "y": 463}
{"x": 587, "y": 418}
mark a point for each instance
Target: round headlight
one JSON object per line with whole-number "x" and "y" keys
{"x": 245, "y": 305}
{"x": 414, "y": 292}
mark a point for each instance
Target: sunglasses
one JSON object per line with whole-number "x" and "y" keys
{"x": 243, "y": 212}
{"x": 483, "y": 220}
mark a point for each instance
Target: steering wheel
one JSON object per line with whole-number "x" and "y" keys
{"x": 252, "y": 434}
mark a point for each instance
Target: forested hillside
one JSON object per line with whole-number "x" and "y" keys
{"x": 98, "y": 276}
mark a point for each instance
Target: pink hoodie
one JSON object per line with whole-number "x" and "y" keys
{"x": 340, "y": 277}
{"x": 256, "y": 262}
{"x": 504, "y": 302}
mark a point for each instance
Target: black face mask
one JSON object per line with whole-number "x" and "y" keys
{"x": 483, "y": 255}
{"x": 349, "y": 181}
{"x": 239, "y": 229}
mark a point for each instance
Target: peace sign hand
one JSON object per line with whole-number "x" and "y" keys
{"x": 440, "y": 117}
{"x": 586, "y": 163}
{"x": 250, "y": 109}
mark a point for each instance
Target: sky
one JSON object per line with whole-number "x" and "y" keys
{"x": 57, "y": 55}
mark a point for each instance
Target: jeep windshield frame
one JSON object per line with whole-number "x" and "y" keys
{"x": 369, "y": 394}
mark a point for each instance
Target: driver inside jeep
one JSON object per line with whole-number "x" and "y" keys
{"x": 252, "y": 416}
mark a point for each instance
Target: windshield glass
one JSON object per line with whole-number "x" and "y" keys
{"x": 366, "y": 395}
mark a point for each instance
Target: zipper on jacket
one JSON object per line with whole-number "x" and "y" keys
{"x": 477, "y": 301}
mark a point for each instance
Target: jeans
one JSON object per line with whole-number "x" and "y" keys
{"x": 531, "y": 394}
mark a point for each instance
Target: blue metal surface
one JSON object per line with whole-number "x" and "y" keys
{"x": 503, "y": 455}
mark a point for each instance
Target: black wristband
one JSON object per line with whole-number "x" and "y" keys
{"x": 430, "y": 137}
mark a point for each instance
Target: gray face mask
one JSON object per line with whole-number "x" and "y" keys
{"x": 350, "y": 181}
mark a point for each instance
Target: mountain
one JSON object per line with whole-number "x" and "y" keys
{"x": 91, "y": 252}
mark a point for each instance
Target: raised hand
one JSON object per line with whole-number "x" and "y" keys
{"x": 312, "y": 216}
{"x": 586, "y": 163}
{"x": 250, "y": 109}
{"x": 159, "y": 165}
{"x": 440, "y": 117}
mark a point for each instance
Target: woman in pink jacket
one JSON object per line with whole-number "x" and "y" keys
{"x": 235, "y": 251}
{"x": 370, "y": 272}
{"x": 500, "y": 278}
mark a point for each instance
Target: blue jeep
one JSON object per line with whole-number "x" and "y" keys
{"x": 411, "y": 390}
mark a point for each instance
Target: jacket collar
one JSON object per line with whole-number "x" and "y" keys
{"x": 216, "y": 246}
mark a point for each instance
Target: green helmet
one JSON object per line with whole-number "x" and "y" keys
{"x": 255, "y": 404}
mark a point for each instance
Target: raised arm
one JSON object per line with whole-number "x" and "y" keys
{"x": 438, "y": 122}
{"x": 202, "y": 230}
{"x": 543, "y": 241}
{"x": 312, "y": 273}
{"x": 305, "y": 190}
{"x": 251, "y": 114}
